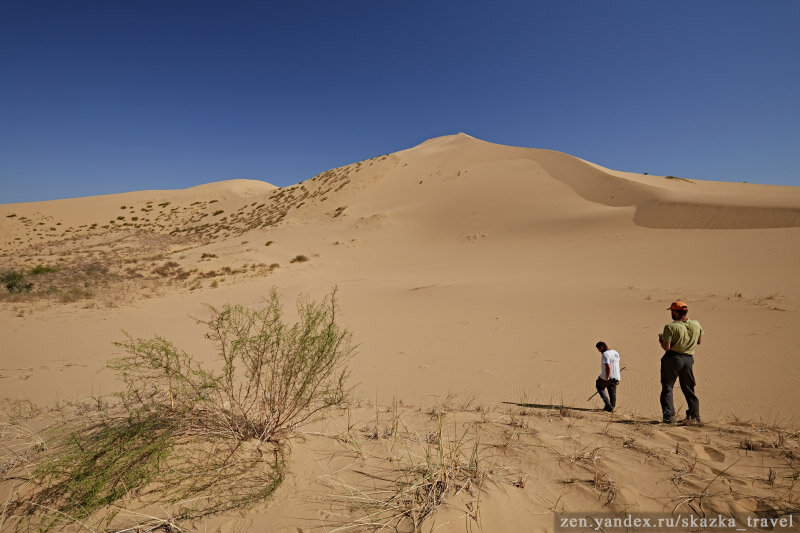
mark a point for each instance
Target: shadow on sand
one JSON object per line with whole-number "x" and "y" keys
{"x": 553, "y": 406}
{"x": 558, "y": 407}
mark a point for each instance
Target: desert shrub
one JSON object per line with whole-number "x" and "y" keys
{"x": 299, "y": 259}
{"x": 274, "y": 376}
{"x": 41, "y": 269}
{"x": 177, "y": 437}
{"x": 15, "y": 281}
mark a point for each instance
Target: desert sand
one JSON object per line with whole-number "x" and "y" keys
{"x": 476, "y": 279}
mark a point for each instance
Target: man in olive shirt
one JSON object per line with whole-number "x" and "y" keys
{"x": 679, "y": 339}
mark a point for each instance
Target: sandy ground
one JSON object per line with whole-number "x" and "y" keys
{"x": 464, "y": 268}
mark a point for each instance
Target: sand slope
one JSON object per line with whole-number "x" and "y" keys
{"x": 462, "y": 266}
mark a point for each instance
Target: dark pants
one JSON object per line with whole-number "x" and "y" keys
{"x": 611, "y": 385}
{"x": 678, "y": 365}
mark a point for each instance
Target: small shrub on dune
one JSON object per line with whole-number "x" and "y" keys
{"x": 41, "y": 269}
{"x": 15, "y": 282}
{"x": 182, "y": 436}
{"x": 274, "y": 376}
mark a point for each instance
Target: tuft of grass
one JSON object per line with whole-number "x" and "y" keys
{"x": 421, "y": 485}
{"x": 299, "y": 259}
{"x": 41, "y": 269}
{"x": 605, "y": 485}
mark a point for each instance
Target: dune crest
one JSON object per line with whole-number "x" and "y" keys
{"x": 660, "y": 202}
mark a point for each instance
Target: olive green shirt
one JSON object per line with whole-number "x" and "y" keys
{"x": 682, "y": 336}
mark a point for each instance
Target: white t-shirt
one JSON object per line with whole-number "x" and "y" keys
{"x": 610, "y": 357}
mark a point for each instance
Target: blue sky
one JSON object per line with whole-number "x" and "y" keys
{"x": 113, "y": 96}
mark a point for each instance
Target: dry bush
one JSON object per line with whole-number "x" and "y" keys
{"x": 274, "y": 376}
{"x": 192, "y": 440}
{"x": 410, "y": 493}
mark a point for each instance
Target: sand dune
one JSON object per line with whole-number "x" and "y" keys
{"x": 506, "y": 249}
{"x": 463, "y": 267}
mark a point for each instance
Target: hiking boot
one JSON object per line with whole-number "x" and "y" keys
{"x": 608, "y": 409}
{"x": 692, "y": 422}
{"x": 668, "y": 421}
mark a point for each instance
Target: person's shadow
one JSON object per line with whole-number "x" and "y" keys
{"x": 553, "y": 406}
{"x": 557, "y": 407}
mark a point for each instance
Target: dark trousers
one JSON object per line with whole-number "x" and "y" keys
{"x": 676, "y": 365}
{"x": 611, "y": 385}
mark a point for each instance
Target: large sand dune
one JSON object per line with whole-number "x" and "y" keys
{"x": 498, "y": 266}
{"x": 463, "y": 267}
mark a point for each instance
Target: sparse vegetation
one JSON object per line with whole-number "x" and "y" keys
{"x": 412, "y": 491}
{"x": 41, "y": 269}
{"x": 299, "y": 259}
{"x": 15, "y": 282}
{"x": 274, "y": 378}
{"x": 678, "y": 179}
{"x": 195, "y": 440}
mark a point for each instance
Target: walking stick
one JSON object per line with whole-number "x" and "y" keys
{"x": 595, "y": 392}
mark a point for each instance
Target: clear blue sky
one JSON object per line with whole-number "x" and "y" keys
{"x": 100, "y": 97}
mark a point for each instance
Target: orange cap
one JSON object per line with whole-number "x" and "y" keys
{"x": 677, "y": 306}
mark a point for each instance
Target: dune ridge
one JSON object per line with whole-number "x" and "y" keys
{"x": 660, "y": 202}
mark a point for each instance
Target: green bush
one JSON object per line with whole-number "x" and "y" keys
{"x": 15, "y": 281}
{"x": 41, "y": 269}
{"x": 274, "y": 376}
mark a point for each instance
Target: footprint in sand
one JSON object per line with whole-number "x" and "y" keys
{"x": 714, "y": 454}
{"x": 708, "y": 453}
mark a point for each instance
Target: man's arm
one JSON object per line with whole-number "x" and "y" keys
{"x": 608, "y": 371}
{"x": 700, "y": 338}
{"x": 665, "y": 338}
